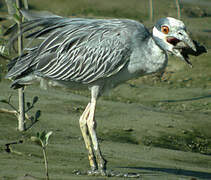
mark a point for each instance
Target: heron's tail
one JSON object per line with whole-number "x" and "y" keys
{"x": 21, "y": 65}
{"x": 20, "y": 70}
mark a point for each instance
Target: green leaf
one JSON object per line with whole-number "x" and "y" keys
{"x": 37, "y": 114}
{"x": 16, "y": 18}
{"x": 4, "y": 101}
{"x": 42, "y": 136}
{"x": 38, "y": 135}
{"x": 28, "y": 104}
{"x": 36, "y": 140}
{"x": 35, "y": 99}
{"x": 17, "y": 9}
{"x": 47, "y": 137}
{"x": 32, "y": 119}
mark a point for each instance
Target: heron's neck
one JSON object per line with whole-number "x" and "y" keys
{"x": 148, "y": 58}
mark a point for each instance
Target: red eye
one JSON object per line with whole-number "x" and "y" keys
{"x": 165, "y": 29}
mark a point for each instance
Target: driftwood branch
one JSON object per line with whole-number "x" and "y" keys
{"x": 3, "y": 110}
{"x": 14, "y": 109}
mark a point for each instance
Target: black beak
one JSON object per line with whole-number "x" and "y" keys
{"x": 186, "y": 51}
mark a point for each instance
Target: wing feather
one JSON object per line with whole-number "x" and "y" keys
{"x": 79, "y": 50}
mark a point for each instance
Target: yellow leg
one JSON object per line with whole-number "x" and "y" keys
{"x": 87, "y": 140}
{"x": 92, "y": 126}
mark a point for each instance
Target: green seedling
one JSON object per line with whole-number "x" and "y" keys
{"x": 41, "y": 139}
{"x": 15, "y": 111}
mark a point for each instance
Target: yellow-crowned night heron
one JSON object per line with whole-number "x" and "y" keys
{"x": 98, "y": 54}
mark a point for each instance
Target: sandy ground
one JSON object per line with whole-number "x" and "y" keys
{"x": 122, "y": 128}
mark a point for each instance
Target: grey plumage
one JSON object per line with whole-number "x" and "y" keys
{"x": 98, "y": 54}
{"x": 77, "y": 49}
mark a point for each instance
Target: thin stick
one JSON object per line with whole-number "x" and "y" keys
{"x": 151, "y": 10}
{"x": 26, "y": 6}
{"x": 21, "y": 118}
{"x": 3, "y": 110}
{"x": 46, "y": 162}
{"x": 178, "y": 9}
{"x": 16, "y": 113}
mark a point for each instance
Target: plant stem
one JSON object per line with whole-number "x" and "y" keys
{"x": 151, "y": 11}
{"x": 178, "y": 9}
{"x": 21, "y": 118}
{"x": 26, "y": 6}
{"x": 46, "y": 162}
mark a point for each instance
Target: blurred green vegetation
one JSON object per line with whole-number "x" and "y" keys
{"x": 192, "y": 140}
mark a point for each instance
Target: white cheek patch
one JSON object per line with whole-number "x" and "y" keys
{"x": 158, "y": 34}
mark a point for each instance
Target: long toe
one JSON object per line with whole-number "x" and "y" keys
{"x": 98, "y": 173}
{"x": 92, "y": 172}
{"x": 102, "y": 165}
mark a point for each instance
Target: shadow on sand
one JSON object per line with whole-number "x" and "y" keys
{"x": 187, "y": 99}
{"x": 197, "y": 174}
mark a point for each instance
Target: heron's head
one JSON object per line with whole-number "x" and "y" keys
{"x": 171, "y": 35}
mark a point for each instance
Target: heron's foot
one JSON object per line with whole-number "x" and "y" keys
{"x": 124, "y": 175}
{"x": 97, "y": 173}
{"x": 102, "y": 166}
{"x": 108, "y": 173}
{"x": 93, "y": 163}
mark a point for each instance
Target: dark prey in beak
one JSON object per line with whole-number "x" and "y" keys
{"x": 200, "y": 49}
{"x": 186, "y": 51}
